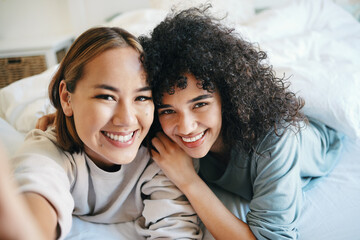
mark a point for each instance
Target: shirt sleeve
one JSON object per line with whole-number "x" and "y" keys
{"x": 39, "y": 167}
{"x": 167, "y": 213}
{"x": 276, "y": 203}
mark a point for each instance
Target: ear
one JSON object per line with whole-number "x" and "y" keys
{"x": 65, "y": 99}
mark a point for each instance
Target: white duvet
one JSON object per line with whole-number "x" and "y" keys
{"x": 316, "y": 44}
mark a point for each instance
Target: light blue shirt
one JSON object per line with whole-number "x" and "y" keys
{"x": 274, "y": 177}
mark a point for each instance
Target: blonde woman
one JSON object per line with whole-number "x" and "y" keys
{"x": 92, "y": 164}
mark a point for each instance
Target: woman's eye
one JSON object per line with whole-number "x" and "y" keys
{"x": 143, "y": 98}
{"x": 201, "y": 104}
{"x": 166, "y": 112}
{"x": 106, "y": 97}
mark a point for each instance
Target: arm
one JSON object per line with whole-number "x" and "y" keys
{"x": 19, "y": 212}
{"x": 45, "y": 121}
{"x": 42, "y": 174}
{"x": 221, "y": 223}
{"x": 276, "y": 204}
{"x": 44, "y": 214}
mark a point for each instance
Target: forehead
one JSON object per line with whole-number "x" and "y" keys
{"x": 192, "y": 90}
{"x": 115, "y": 59}
{"x": 116, "y": 66}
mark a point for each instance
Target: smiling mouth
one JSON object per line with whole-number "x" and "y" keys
{"x": 118, "y": 137}
{"x": 193, "y": 139}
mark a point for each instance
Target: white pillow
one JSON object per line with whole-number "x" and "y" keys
{"x": 238, "y": 10}
{"x": 334, "y": 99}
{"x": 24, "y": 101}
{"x": 318, "y": 47}
{"x": 10, "y": 139}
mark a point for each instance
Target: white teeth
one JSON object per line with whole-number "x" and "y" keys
{"x": 120, "y": 138}
{"x": 193, "y": 139}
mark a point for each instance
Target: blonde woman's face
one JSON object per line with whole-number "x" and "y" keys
{"x": 112, "y": 107}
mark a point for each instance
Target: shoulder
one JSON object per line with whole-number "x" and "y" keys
{"x": 278, "y": 151}
{"x": 38, "y": 141}
{"x": 41, "y": 146}
{"x": 292, "y": 138}
{"x": 278, "y": 140}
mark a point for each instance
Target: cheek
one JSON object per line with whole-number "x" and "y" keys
{"x": 217, "y": 122}
{"x": 215, "y": 118}
{"x": 87, "y": 123}
{"x": 147, "y": 116}
{"x": 216, "y": 115}
{"x": 91, "y": 116}
{"x": 212, "y": 119}
{"x": 166, "y": 125}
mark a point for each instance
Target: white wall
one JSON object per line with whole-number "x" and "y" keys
{"x": 86, "y": 13}
{"x": 24, "y": 19}
{"x": 27, "y": 19}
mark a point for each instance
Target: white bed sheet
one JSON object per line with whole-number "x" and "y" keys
{"x": 318, "y": 44}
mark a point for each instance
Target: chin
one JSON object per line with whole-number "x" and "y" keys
{"x": 197, "y": 154}
{"x": 127, "y": 159}
{"x": 121, "y": 158}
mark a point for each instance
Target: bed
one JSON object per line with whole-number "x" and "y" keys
{"x": 316, "y": 44}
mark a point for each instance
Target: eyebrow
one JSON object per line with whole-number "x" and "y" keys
{"x": 198, "y": 98}
{"x": 111, "y": 88}
{"x": 201, "y": 97}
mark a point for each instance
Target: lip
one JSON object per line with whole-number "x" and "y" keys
{"x": 195, "y": 144}
{"x": 118, "y": 143}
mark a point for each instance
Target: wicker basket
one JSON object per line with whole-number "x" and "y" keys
{"x": 15, "y": 68}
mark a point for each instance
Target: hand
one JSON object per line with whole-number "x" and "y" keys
{"x": 45, "y": 121}
{"x": 174, "y": 162}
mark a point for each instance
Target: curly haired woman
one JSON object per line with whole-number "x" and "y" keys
{"x": 218, "y": 100}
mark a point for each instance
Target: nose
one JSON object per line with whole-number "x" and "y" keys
{"x": 124, "y": 114}
{"x": 186, "y": 124}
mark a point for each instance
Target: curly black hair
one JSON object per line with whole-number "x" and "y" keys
{"x": 253, "y": 99}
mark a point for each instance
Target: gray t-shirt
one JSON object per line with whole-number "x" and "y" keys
{"x": 74, "y": 185}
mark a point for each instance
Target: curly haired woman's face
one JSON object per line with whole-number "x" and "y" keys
{"x": 192, "y": 118}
